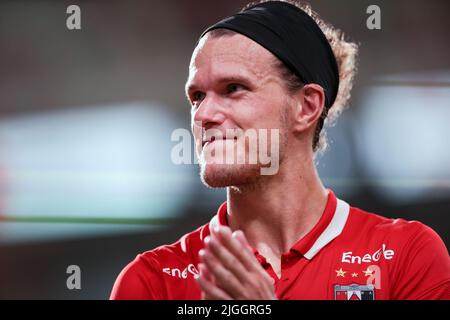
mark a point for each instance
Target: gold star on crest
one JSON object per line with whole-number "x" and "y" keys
{"x": 367, "y": 272}
{"x": 340, "y": 273}
{"x": 354, "y": 275}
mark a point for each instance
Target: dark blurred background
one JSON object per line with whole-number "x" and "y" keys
{"x": 86, "y": 118}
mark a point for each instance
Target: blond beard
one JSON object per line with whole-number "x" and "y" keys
{"x": 237, "y": 176}
{"x": 222, "y": 175}
{"x": 241, "y": 176}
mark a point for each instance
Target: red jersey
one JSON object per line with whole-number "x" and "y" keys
{"x": 348, "y": 255}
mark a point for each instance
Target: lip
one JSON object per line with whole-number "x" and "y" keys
{"x": 205, "y": 141}
{"x": 212, "y": 139}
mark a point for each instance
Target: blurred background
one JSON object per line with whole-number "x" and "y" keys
{"x": 86, "y": 118}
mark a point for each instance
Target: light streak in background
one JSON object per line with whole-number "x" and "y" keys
{"x": 103, "y": 165}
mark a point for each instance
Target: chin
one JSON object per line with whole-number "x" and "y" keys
{"x": 222, "y": 176}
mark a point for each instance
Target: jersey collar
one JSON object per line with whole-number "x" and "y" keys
{"x": 329, "y": 226}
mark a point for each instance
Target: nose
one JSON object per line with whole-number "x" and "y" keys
{"x": 209, "y": 113}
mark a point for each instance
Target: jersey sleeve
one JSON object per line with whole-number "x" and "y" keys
{"x": 139, "y": 280}
{"x": 424, "y": 269}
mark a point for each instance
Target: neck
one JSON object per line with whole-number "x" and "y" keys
{"x": 278, "y": 211}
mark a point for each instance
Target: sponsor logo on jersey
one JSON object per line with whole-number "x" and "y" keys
{"x": 181, "y": 273}
{"x": 349, "y": 257}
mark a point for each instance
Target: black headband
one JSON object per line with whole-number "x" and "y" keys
{"x": 292, "y": 36}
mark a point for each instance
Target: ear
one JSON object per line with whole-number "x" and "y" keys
{"x": 310, "y": 103}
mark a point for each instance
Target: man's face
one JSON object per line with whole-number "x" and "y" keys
{"x": 233, "y": 84}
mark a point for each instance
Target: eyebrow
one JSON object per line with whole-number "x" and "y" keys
{"x": 224, "y": 79}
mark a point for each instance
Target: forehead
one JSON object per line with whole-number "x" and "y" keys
{"x": 229, "y": 55}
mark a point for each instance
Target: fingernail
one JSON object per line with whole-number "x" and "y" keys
{"x": 238, "y": 233}
{"x": 207, "y": 239}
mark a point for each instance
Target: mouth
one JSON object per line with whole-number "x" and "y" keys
{"x": 209, "y": 140}
{"x": 212, "y": 139}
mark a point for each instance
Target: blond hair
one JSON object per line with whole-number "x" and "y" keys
{"x": 345, "y": 53}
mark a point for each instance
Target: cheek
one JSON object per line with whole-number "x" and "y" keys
{"x": 197, "y": 132}
{"x": 263, "y": 113}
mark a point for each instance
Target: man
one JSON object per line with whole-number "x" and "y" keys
{"x": 277, "y": 67}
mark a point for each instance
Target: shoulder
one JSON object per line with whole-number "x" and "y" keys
{"x": 143, "y": 278}
{"x": 399, "y": 231}
{"x": 415, "y": 255}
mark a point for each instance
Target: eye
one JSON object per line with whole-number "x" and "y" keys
{"x": 197, "y": 96}
{"x": 234, "y": 87}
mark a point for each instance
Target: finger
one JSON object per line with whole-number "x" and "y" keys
{"x": 243, "y": 253}
{"x": 210, "y": 290}
{"x": 239, "y": 235}
{"x": 227, "y": 259}
{"x": 204, "y": 271}
{"x": 256, "y": 278}
{"x": 223, "y": 277}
